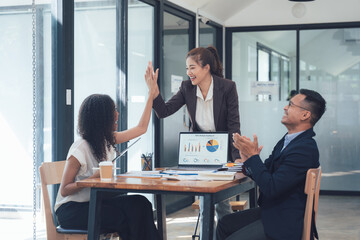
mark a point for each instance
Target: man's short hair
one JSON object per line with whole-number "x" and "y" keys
{"x": 316, "y": 103}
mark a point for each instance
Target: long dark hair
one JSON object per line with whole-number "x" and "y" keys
{"x": 96, "y": 123}
{"x": 209, "y": 55}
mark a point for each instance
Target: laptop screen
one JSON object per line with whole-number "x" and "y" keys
{"x": 203, "y": 148}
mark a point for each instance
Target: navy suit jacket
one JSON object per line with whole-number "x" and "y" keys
{"x": 281, "y": 180}
{"x": 226, "y": 107}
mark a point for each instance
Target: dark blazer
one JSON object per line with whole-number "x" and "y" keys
{"x": 226, "y": 107}
{"x": 281, "y": 180}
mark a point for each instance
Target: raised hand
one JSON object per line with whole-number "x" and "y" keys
{"x": 151, "y": 80}
{"x": 237, "y": 145}
{"x": 246, "y": 147}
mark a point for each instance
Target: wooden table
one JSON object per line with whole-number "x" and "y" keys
{"x": 210, "y": 192}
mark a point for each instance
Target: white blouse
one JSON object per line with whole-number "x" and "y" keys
{"x": 204, "y": 109}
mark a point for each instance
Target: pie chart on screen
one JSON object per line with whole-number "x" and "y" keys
{"x": 212, "y": 145}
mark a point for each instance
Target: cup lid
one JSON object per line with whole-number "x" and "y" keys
{"x": 105, "y": 163}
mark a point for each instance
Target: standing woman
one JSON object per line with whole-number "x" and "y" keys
{"x": 211, "y": 100}
{"x": 129, "y": 215}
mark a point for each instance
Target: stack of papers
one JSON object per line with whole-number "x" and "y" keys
{"x": 225, "y": 176}
{"x": 147, "y": 174}
{"x": 233, "y": 167}
{"x": 198, "y": 175}
{"x": 183, "y": 175}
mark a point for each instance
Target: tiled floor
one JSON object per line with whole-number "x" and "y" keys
{"x": 338, "y": 219}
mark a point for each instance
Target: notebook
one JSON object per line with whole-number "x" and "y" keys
{"x": 202, "y": 150}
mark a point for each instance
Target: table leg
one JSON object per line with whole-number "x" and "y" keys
{"x": 161, "y": 216}
{"x": 207, "y": 228}
{"x": 94, "y": 220}
{"x": 253, "y": 197}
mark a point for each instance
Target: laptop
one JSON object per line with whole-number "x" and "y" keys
{"x": 202, "y": 150}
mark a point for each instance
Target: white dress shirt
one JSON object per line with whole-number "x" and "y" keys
{"x": 204, "y": 109}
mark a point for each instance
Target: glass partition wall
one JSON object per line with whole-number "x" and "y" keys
{"x": 330, "y": 64}
{"x": 211, "y": 34}
{"x": 207, "y": 34}
{"x": 261, "y": 70}
{"x": 264, "y": 66}
{"x": 176, "y": 43}
{"x": 16, "y": 114}
{"x": 94, "y": 51}
{"x": 95, "y": 62}
{"x": 140, "y": 51}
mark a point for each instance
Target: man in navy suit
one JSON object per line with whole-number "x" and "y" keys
{"x": 281, "y": 178}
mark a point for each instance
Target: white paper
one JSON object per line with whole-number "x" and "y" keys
{"x": 68, "y": 97}
{"x": 266, "y": 88}
{"x": 176, "y": 83}
{"x": 145, "y": 174}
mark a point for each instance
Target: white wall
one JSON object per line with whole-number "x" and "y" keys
{"x": 235, "y": 13}
{"x": 278, "y": 12}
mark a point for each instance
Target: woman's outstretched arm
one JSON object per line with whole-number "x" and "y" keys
{"x": 141, "y": 128}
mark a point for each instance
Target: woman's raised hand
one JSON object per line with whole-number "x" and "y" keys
{"x": 151, "y": 80}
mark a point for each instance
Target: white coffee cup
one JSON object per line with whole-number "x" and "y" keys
{"x": 106, "y": 170}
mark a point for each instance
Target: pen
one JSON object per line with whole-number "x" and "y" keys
{"x": 221, "y": 169}
{"x": 116, "y": 158}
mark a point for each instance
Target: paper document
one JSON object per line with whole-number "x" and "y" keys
{"x": 145, "y": 174}
{"x": 226, "y": 176}
{"x": 198, "y": 175}
{"x": 182, "y": 175}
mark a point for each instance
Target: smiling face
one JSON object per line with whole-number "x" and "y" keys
{"x": 196, "y": 72}
{"x": 295, "y": 113}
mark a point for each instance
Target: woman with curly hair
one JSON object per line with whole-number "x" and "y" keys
{"x": 129, "y": 215}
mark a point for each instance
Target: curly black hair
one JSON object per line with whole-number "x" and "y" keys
{"x": 96, "y": 123}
